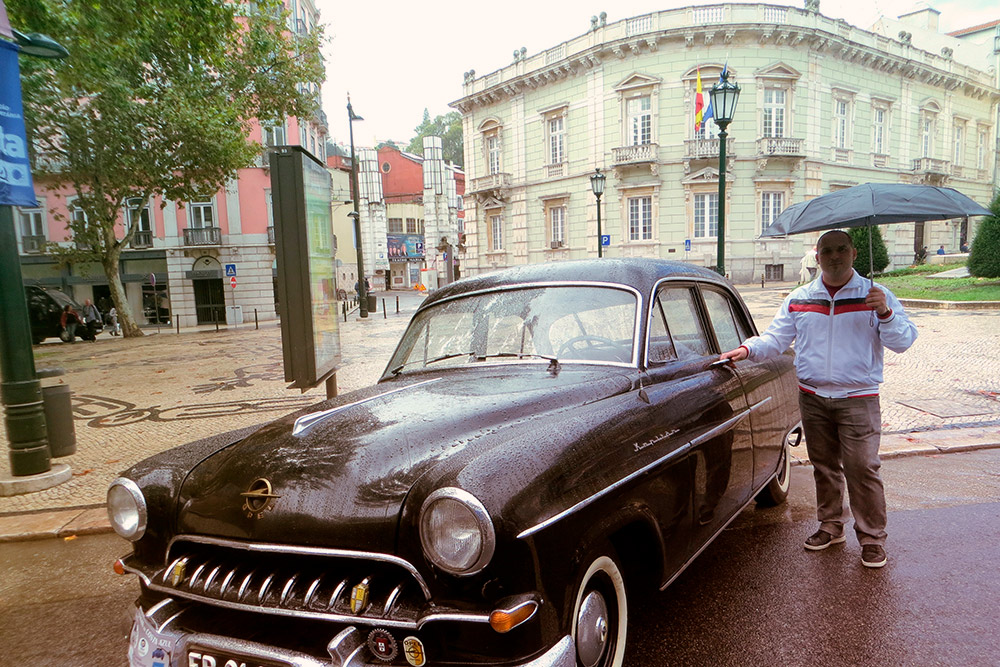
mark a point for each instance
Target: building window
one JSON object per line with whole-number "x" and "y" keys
{"x": 32, "y": 223}
{"x": 496, "y": 233}
{"x": 640, "y": 218}
{"x": 774, "y": 112}
{"x": 557, "y": 224}
{"x": 557, "y": 139}
{"x": 878, "y": 130}
{"x": 77, "y": 215}
{"x": 959, "y": 153}
{"x": 840, "y": 122}
{"x": 927, "y": 135}
{"x": 273, "y": 135}
{"x": 395, "y": 225}
{"x": 771, "y": 205}
{"x": 981, "y": 150}
{"x": 412, "y": 227}
{"x": 640, "y": 120}
{"x": 706, "y": 215}
{"x": 133, "y": 216}
{"x": 493, "y": 153}
{"x": 202, "y": 213}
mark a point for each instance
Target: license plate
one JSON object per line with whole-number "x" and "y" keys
{"x": 197, "y": 657}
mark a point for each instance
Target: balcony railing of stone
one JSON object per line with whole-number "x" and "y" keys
{"x": 778, "y": 146}
{"x": 270, "y": 234}
{"x": 203, "y": 236}
{"x": 32, "y": 243}
{"x": 490, "y": 182}
{"x": 880, "y": 160}
{"x": 639, "y": 154}
{"x": 701, "y": 148}
{"x": 142, "y": 239}
{"x": 931, "y": 165}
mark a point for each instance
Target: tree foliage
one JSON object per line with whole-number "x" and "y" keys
{"x": 449, "y": 128}
{"x": 984, "y": 256}
{"x": 859, "y": 236}
{"x": 156, "y": 98}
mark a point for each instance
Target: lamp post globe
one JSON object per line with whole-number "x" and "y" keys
{"x": 724, "y": 95}
{"x": 597, "y": 185}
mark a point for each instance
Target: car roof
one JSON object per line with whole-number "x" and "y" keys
{"x": 640, "y": 273}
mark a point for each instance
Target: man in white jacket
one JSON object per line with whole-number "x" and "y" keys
{"x": 838, "y": 362}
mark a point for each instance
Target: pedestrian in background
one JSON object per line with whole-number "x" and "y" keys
{"x": 91, "y": 320}
{"x": 941, "y": 251}
{"x": 113, "y": 321}
{"x": 838, "y": 362}
{"x": 69, "y": 319}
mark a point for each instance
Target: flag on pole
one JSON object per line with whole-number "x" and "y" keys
{"x": 699, "y": 103}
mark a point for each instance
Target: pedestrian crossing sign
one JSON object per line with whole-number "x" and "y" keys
{"x": 230, "y": 270}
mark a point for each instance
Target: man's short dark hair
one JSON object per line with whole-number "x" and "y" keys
{"x": 850, "y": 241}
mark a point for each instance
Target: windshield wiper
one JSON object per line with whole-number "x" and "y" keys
{"x": 553, "y": 362}
{"x": 398, "y": 369}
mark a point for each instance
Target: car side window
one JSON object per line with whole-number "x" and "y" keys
{"x": 724, "y": 323}
{"x": 683, "y": 322}
{"x": 661, "y": 348}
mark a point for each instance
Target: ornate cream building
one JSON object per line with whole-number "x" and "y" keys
{"x": 824, "y": 105}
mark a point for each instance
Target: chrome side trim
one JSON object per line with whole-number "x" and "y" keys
{"x": 267, "y": 547}
{"x": 680, "y": 451}
{"x": 305, "y": 422}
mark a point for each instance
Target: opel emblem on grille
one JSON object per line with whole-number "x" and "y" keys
{"x": 258, "y": 498}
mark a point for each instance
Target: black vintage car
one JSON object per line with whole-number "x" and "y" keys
{"x": 543, "y": 441}
{"x": 45, "y": 307}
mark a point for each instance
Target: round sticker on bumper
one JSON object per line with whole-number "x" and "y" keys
{"x": 381, "y": 644}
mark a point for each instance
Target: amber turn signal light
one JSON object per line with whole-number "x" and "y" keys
{"x": 119, "y": 566}
{"x": 505, "y": 620}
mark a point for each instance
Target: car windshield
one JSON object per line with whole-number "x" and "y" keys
{"x": 568, "y": 323}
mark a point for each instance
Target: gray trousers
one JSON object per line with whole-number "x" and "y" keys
{"x": 842, "y": 440}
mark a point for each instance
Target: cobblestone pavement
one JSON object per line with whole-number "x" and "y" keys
{"x": 135, "y": 397}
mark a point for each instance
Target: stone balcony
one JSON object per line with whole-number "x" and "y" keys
{"x": 780, "y": 147}
{"x": 203, "y": 236}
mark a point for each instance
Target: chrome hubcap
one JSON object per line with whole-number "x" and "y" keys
{"x": 591, "y": 629}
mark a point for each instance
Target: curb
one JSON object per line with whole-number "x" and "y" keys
{"x": 70, "y": 523}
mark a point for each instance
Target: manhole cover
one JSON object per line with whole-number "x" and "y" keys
{"x": 944, "y": 408}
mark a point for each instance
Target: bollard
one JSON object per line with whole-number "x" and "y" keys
{"x": 256, "y": 322}
{"x": 58, "y": 408}
{"x": 762, "y": 281}
{"x": 384, "y": 315}
{"x": 397, "y": 304}
{"x": 343, "y": 307}
{"x": 177, "y": 320}
{"x": 215, "y": 318}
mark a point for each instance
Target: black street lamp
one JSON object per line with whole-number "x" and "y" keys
{"x": 362, "y": 290}
{"x": 597, "y": 185}
{"x": 724, "y": 97}
{"x": 20, "y": 390}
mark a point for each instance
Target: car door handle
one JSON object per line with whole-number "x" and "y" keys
{"x": 720, "y": 363}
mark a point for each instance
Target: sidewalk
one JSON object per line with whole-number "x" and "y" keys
{"x": 136, "y": 397}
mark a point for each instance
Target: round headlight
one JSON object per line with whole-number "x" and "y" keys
{"x": 456, "y": 532}
{"x": 127, "y": 509}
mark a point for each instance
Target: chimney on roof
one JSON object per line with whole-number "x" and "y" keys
{"x": 923, "y": 16}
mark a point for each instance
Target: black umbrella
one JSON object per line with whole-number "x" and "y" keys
{"x": 873, "y": 204}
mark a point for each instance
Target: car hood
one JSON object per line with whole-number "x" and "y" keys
{"x": 341, "y": 480}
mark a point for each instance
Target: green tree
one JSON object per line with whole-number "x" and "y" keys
{"x": 859, "y": 235}
{"x": 449, "y": 128}
{"x": 984, "y": 256}
{"x": 156, "y": 98}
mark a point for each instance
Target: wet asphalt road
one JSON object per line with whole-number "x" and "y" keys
{"x": 754, "y": 597}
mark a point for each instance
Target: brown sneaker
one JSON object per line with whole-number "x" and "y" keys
{"x": 821, "y": 540}
{"x": 873, "y": 555}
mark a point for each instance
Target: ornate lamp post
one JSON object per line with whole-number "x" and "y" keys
{"x": 597, "y": 185}
{"x": 20, "y": 389}
{"x": 362, "y": 290}
{"x": 724, "y": 97}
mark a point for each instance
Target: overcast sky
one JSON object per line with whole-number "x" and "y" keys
{"x": 397, "y": 57}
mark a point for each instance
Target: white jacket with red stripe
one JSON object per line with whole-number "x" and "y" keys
{"x": 838, "y": 351}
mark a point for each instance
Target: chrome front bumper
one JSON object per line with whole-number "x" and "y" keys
{"x": 155, "y": 643}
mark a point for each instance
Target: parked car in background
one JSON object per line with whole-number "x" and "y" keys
{"x": 45, "y": 306}
{"x": 545, "y": 441}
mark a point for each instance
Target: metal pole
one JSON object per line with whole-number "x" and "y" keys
{"x": 20, "y": 390}
{"x": 720, "y": 262}
{"x": 600, "y": 250}
{"x": 362, "y": 292}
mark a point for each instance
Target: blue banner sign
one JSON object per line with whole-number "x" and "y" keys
{"x": 405, "y": 247}
{"x": 16, "y": 188}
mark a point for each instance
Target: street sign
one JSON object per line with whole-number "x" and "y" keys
{"x": 232, "y": 282}
{"x": 152, "y": 279}
{"x": 231, "y": 271}
{"x": 687, "y": 245}
{"x": 605, "y": 239}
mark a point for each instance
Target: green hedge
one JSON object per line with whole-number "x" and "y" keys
{"x": 984, "y": 256}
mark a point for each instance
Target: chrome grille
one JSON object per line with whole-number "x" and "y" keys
{"x": 290, "y": 580}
